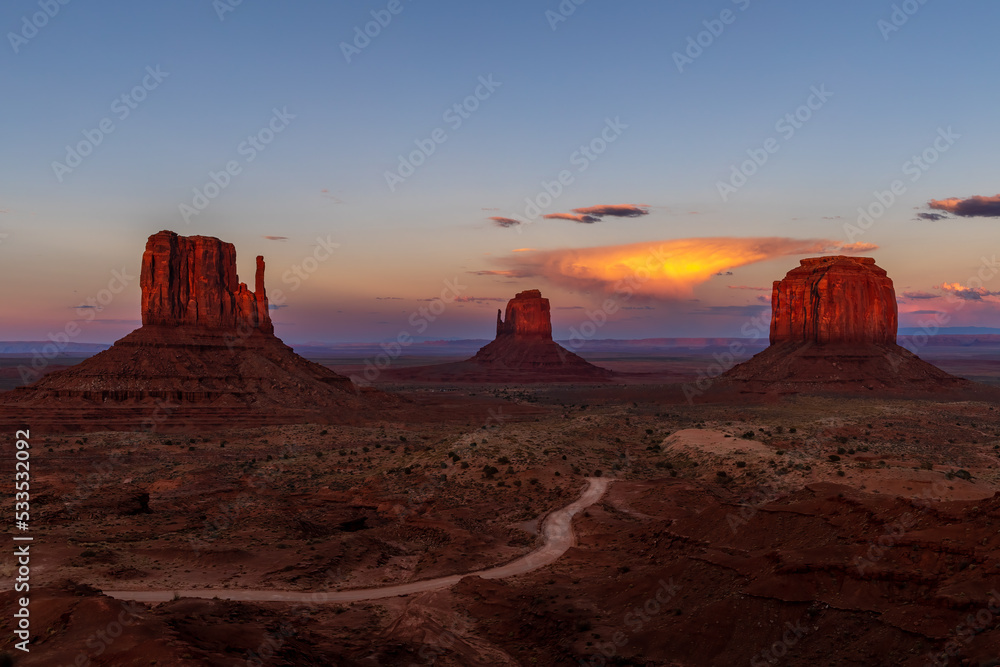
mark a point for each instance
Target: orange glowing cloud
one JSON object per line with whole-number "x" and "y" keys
{"x": 661, "y": 269}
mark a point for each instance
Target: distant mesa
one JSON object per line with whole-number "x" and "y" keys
{"x": 523, "y": 351}
{"x": 833, "y": 328}
{"x": 206, "y": 356}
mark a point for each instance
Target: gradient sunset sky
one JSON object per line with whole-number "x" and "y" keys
{"x": 672, "y": 129}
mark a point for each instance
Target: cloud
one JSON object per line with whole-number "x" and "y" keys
{"x": 524, "y": 250}
{"x": 966, "y": 293}
{"x": 591, "y": 214}
{"x": 274, "y": 306}
{"x": 661, "y": 269}
{"x": 472, "y": 299}
{"x": 389, "y": 298}
{"x": 276, "y": 238}
{"x": 756, "y": 289}
{"x": 575, "y": 217}
{"x": 107, "y": 321}
{"x": 923, "y": 312}
{"x": 973, "y": 207}
{"x": 501, "y": 221}
{"x": 731, "y": 311}
{"x": 326, "y": 193}
{"x": 615, "y": 211}
{"x": 764, "y": 299}
{"x": 933, "y": 217}
{"x": 858, "y": 247}
{"x": 920, "y": 295}
{"x": 505, "y": 274}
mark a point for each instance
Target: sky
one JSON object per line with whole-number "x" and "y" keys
{"x": 694, "y": 150}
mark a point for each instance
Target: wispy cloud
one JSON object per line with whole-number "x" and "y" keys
{"x": 276, "y": 238}
{"x": 591, "y": 214}
{"x": 731, "y": 311}
{"x": 971, "y": 207}
{"x": 967, "y": 293}
{"x": 920, "y": 295}
{"x": 501, "y": 221}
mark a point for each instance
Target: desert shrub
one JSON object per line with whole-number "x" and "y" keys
{"x": 833, "y": 457}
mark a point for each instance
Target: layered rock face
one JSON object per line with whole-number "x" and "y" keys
{"x": 191, "y": 280}
{"x": 205, "y": 357}
{"x": 834, "y": 300}
{"x": 833, "y": 329}
{"x": 528, "y": 316}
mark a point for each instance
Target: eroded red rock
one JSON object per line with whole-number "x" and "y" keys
{"x": 523, "y": 351}
{"x": 191, "y": 280}
{"x": 205, "y": 357}
{"x": 834, "y": 300}
{"x": 528, "y": 315}
{"x": 833, "y": 329}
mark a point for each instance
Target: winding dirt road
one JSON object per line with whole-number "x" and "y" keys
{"x": 557, "y": 533}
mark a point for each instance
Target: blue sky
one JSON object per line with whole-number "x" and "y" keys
{"x": 323, "y": 176}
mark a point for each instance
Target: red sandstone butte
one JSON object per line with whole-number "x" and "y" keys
{"x": 191, "y": 280}
{"x": 833, "y": 330}
{"x": 524, "y": 343}
{"x": 205, "y": 357}
{"x": 528, "y": 315}
{"x": 834, "y": 300}
{"x": 523, "y": 351}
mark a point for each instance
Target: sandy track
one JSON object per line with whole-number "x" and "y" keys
{"x": 557, "y": 533}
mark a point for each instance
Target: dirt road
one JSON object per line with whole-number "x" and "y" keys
{"x": 557, "y": 533}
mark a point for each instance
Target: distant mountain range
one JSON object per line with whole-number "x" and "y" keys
{"x": 46, "y": 348}
{"x": 467, "y": 347}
